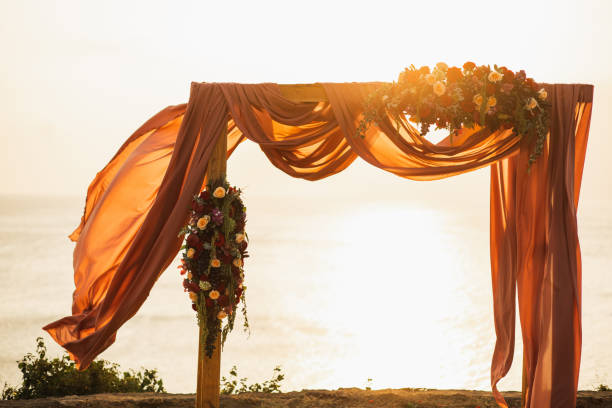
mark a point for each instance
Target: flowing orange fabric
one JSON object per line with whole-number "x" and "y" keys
{"x": 535, "y": 248}
{"x": 137, "y": 204}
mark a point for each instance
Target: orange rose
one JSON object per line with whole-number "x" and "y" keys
{"x": 469, "y": 66}
{"x": 508, "y": 77}
{"x": 453, "y": 75}
{"x": 424, "y": 70}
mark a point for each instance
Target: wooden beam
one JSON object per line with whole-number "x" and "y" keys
{"x": 209, "y": 369}
{"x": 303, "y": 92}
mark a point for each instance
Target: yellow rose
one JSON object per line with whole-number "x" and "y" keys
{"x": 221, "y": 315}
{"x": 491, "y": 101}
{"x": 219, "y": 192}
{"x": 193, "y": 296}
{"x": 542, "y": 94}
{"x": 430, "y": 79}
{"x": 442, "y": 66}
{"x": 531, "y": 103}
{"x": 239, "y": 238}
{"x": 203, "y": 222}
{"x": 214, "y": 294}
{"x": 495, "y": 76}
{"x": 215, "y": 263}
{"x": 237, "y": 262}
{"x": 190, "y": 253}
{"x": 477, "y": 99}
{"x": 439, "y": 88}
{"x": 189, "y": 275}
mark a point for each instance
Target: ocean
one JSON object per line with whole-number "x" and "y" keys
{"x": 394, "y": 291}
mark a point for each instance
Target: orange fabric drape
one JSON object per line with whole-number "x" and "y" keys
{"x": 137, "y": 204}
{"x": 535, "y": 249}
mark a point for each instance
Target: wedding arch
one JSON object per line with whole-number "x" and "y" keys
{"x": 136, "y": 205}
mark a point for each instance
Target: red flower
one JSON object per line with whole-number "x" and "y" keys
{"x": 467, "y": 105}
{"x": 446, "y": 100}
{"x": 209, "y": 302}
{"x": 221, "y": 287}
{"x": 424, "y": 70}
{"x": 453, "y": 74}
{"x": 468, "y": 66}
{"x": 205, "y": 195}
{"x": 490, "y": 89}
{"x": 193, "y": 287}
{"x": 508, "y": 76}
{"x": 193, "y": 241}
{"x": 220, "y": 240}
{"x": 223, "y": 300}
{"x": 533, "y": 84}
{"x": 243, "y": 246}
{"x": 197, "y": 207}
{"x": 226, "y": 258}
{"x": 194, "y": 307}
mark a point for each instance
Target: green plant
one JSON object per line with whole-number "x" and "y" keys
{"x": 235, "y": 385}
{"x": 57, "y": 377}
{"x": 603, "y": 387}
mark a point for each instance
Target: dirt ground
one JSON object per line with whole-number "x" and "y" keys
{"x": 342, "y": 398}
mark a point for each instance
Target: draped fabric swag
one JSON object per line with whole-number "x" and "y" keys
{"x": 137, "y": 204}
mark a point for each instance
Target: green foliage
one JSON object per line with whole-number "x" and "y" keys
{"x": 603, "y": 387}
{"x": 235, "y": 385}
{"x": 57, "y": 377}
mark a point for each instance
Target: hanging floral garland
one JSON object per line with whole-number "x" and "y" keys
{"x": 213, "y": 259}
{"x": 453, "y": 98}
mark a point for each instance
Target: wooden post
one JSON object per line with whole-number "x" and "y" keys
{"x": 209, "y": 369}
{"x": 524, "y": 385}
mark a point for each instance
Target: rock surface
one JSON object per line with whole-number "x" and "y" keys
{"x": 342, "y": 398}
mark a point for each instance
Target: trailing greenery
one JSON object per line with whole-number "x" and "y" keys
{"x": 58, "y": 377}
{"x": 603, "y": 387}
{"x": 235, "y": 385}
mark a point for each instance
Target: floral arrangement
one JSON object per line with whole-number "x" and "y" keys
{"x": 213, "y": 259}
{"x": 453, "y": 98}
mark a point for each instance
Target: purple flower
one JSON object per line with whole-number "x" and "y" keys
{"x": 216, "y": 216}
